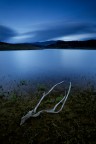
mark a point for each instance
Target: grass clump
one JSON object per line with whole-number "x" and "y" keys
{"x": 75, "y": 124}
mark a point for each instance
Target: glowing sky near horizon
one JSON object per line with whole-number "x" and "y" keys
{"x": 41, "y": 20}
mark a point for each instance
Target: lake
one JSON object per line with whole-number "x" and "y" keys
{"x": 47, "y": 66}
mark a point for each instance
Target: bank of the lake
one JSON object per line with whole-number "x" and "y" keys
{"x": 75, "y": 124}
{"x": 88, "y": 44}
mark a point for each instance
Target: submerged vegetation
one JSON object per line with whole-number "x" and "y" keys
{"x": 76, "y": 123}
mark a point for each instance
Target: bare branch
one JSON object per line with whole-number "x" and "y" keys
{"x": 33, "y": 113}
{"x": 44, "y": 95}
{"x": 64, "y": 99}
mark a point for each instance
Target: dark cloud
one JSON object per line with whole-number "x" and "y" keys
{"x": 61, "y": 31}
{"x": 6, "y": 33}
{"x": 48, "y": 33}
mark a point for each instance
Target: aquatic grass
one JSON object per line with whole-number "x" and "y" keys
{"x": 23, "y": 82}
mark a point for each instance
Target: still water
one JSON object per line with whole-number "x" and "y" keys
{"x": 46, "y": 64}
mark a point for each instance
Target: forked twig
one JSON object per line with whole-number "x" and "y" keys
{"x": 33, "y": 112}
{"x": 44, "y": 95}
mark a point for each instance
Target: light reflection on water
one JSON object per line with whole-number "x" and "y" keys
{"x": 46, "y": 64}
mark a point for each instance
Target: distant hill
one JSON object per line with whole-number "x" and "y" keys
{"x": 45, "y": 43}
{"x": 89, "y": 44}
{"x": 74, "y": 44}
{"x": 21, "y": 46}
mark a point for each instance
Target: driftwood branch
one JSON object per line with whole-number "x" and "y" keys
{"x": 33, "y": 112}
{"x": 44, "y": 95}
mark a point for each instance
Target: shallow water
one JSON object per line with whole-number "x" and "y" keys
{"x": 47, "y": 65}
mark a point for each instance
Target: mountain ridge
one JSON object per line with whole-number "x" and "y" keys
{"x": 88, "y": 44}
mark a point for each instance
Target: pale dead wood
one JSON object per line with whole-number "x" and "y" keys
{"x": 33, "y": 112}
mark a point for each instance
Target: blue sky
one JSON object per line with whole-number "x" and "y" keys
{"x": 41, "y": 20}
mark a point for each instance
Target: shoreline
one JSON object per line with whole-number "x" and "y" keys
{"x": 47, "y": 49}
{"x": 87, "y": 45}
{"x": 76, "y": 123}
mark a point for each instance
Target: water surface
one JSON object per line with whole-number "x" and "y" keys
{"x": 46, "y": 65}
